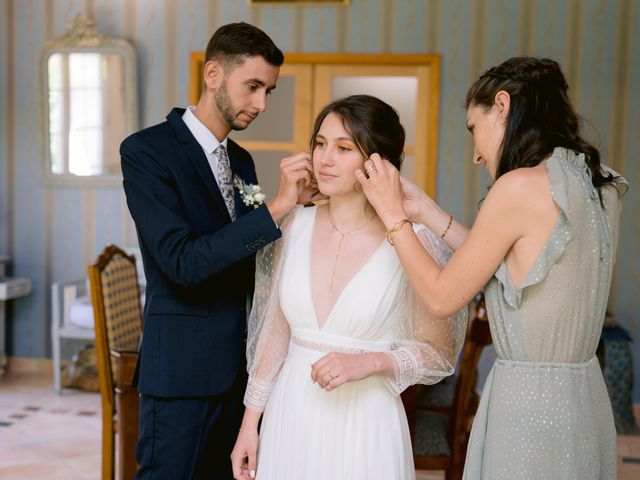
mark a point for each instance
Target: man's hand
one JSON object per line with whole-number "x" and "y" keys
{"x": 296, "y": 175}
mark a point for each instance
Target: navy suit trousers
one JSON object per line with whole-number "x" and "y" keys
{"x": 202, "y": 430}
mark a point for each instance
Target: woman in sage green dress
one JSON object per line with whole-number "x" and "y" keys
{"x": 543, "y": 248}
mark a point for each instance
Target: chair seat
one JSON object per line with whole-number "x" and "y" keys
{"x": 71, "y": 331}
{"x": 439, "y": 395}
{"x": 81, "y": 313}
{"x": 431, "y": 434}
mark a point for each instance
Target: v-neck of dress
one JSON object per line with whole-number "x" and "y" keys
{"x": 367, "y": 262}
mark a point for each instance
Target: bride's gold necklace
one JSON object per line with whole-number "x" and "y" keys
{"x": 342, "y": 235}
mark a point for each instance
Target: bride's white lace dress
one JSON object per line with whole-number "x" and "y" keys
{"x": 359, "y": 430}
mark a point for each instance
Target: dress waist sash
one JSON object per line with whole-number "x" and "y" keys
{"x": 327, "y": 342}
{"x": 546, "y": 366}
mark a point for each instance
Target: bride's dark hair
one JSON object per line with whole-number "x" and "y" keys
{"x": 541, "y": 116}
{"x": 374, "y": 125}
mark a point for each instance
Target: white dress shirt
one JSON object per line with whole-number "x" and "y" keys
{"x": 205, "y": 138}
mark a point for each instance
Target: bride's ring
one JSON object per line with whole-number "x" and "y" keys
{"x": 370, "y": 169}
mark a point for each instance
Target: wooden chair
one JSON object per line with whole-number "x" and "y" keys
{"x": 440, "y": 435}
{"x": 115, "y": 295}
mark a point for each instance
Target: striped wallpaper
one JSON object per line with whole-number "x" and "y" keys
{"x": 53, "y": 233}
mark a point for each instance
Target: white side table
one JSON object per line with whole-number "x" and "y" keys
{"x": 10, "y": 288}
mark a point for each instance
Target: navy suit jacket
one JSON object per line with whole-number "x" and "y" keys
{"x": 198, "y": 264}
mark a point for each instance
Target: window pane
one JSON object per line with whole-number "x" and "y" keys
{"x": 85, "y": 152}
{"x": 56, "y": 112}
{"x": 55, "y": 71}
{"x": 56, "y": 152}
{"x": 84, "y": 70}
{"x": 399, "y": 92}
{"x": 86, "y": 108}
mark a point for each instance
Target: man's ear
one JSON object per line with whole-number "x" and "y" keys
{"x": 503, "y": 102}
{"x": 213, "y": 74}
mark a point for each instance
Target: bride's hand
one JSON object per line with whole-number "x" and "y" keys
{"x": 244, "y": 455}
{"x": 335, "y": 368}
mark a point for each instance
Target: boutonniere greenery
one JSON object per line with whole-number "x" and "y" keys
{"x": 251, "y": 194}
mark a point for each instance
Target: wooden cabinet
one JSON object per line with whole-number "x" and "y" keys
{"x": 307, "y": 82}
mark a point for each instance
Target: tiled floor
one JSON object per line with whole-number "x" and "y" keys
{"x": 49, "y": 436}
{"x": 44, "y": 436}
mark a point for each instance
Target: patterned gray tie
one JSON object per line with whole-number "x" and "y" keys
{"x": 225, "y": 180}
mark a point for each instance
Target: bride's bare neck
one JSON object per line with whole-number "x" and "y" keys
{"x": 350, "y": 211}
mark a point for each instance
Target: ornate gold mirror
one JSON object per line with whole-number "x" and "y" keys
{"x": 89, "y": 105}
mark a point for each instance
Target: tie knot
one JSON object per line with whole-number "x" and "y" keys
{"x": 221, "y": 152}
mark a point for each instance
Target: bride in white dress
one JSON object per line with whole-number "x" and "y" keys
{"x": 336, "y": 334}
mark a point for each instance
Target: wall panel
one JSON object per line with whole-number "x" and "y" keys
{"x": 6, "y": 85}
{"x": 29, "y": 207}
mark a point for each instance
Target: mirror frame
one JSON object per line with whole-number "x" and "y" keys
{"x": 82, "y": 36}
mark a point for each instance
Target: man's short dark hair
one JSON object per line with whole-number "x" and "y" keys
{"x": 231, "y": 44}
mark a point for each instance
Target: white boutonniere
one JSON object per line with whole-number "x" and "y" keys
{"x": 251, "y": 194}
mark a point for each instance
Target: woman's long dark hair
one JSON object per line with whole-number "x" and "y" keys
{"x": 374, "y": 125}
{"x": 541, "y": 116}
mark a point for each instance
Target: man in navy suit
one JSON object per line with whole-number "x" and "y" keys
{"x": 198, "y": 241}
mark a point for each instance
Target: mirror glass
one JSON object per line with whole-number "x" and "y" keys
{"x": 89, "y": 105}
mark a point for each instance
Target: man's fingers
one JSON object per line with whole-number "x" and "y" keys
{"x": 296, "y": 172}
{"x": 302, "y": 158}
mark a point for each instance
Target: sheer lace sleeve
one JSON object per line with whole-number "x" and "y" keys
{"x": 268, "y": 331}
{"x": 426, "y": 348}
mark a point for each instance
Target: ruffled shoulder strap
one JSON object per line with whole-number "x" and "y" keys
{"x": 559, "y": 167}
{"x": 570, "y": 181}
{"x": 619, "y": 182}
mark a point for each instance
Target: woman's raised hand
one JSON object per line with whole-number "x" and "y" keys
{"x": 381, "y": 184}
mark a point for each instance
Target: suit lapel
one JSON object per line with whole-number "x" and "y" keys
{"x": 193, "y": 151}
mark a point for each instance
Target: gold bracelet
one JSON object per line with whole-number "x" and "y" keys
{"x": 448, "y": 227}
{"x": 395, "y": 229}
{"x": 248, "y": 432}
